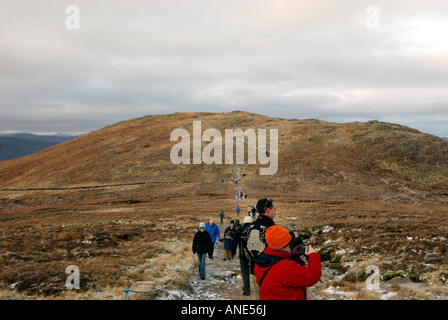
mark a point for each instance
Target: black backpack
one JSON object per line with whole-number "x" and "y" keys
{"x": 254, "y": 241}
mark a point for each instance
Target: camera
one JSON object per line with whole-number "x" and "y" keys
{"x": 303, "y": 249}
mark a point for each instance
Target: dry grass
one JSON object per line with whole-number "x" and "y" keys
{"x": 115, "y": 246}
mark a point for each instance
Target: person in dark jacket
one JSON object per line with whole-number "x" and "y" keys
{"x": 267, "y": 212}
{"x": 227, "y": 247}
{"x": 231, "y": 229}
{"x": 278, "y": 275}
{"x": 237, "y": 225}
{"x": 244, "y": 261}
{"x": 202, "y": 244}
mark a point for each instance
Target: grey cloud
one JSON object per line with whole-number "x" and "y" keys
{"x": 291, "y": 59}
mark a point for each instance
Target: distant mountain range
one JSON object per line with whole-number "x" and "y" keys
{"x": 15, "y": 145}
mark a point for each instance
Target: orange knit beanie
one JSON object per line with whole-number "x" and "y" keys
{"x": 277, "y": 237}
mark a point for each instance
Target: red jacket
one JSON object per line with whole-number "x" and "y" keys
{"x": 286, "y": 280}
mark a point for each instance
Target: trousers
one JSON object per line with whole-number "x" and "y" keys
{"x": 201, "y": 258}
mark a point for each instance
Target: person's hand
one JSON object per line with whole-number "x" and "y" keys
{"x": 310, "y": 250}
{"x": 296, "y": 251}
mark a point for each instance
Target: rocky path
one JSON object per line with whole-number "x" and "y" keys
{"x": 223, "y": 278}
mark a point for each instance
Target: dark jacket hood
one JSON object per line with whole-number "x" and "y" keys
{"x": 269, "y": 257}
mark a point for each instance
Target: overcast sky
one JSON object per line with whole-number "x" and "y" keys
{"x": 338, "y": 61}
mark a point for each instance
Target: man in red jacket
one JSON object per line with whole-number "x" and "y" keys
{"x": 278, "y": 275}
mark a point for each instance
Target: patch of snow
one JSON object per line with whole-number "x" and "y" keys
{"x": 338, "y": 293}
{"x": 344, "y": 251}
{"x": 388, "y": 295}
{"x": 13, "y": 285}
{"x": 327, "y": 229}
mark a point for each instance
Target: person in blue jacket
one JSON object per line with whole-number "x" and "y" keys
{"x": 213, "y": 230}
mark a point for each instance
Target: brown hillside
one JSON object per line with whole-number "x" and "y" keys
{"x": 373, "y": 160}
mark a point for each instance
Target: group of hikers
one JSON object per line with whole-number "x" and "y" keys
{"x": 252, "y": 212}
{"x": 279, "y": 262}
{"x": 240, "y": 195}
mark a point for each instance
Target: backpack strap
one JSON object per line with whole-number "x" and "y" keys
{"x": 266, "y": 272}
{"x": 264, "y": 275}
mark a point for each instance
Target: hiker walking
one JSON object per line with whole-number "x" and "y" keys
{"x": 202, "y": 244}
{"x": 238, "y": 210}
{"x": 221, "y": 216}
{"x": 213, "y": 230}
{"x": 254, "y": 214}
{"x": 227, "y": 247}
{"x": 253, "y": 238}
{"x": 237, "y": 224}
{"x": 231, "y": 229}
{"x": 278, "y": 275}
{"x": 244, "y": 261}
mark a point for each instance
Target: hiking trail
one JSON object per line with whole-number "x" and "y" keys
{"x": 223, "y": 279}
